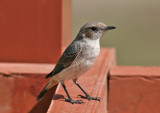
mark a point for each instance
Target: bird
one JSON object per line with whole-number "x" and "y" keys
{"x": 77, "y": 59}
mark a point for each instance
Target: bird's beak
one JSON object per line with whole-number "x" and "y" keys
{"x": 109, "y": 28}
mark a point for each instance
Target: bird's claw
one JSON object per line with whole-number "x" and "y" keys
{"x": 74, "y": 101}
{"x": 89, "y": 97}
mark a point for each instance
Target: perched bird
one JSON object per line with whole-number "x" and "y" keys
{"x": 77, "y": 59}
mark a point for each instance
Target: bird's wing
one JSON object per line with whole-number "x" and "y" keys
{"x": 66, "y": 60}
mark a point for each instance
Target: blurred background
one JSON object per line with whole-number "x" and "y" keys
{"x": 137, "y": 37}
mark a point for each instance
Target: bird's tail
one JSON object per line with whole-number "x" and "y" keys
{"x": 50, "y": 84}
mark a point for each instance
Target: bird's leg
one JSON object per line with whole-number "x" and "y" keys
{"x": 69, "y": 98}
{"x": 87, "y": 95}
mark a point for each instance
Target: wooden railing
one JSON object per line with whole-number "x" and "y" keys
{"x": 33, "y": 35}
{"x": 94, "y": 82}
{"x": 19, "y": 88}
{"x": 134, "y": 89}
{"x": 126, "y": 89}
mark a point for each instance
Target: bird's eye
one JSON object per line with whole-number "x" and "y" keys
{"x": 93, "y": 28}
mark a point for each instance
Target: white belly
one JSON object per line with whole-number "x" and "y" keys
{"x": 81, "y": 64}
{"x": 77, "y": 68}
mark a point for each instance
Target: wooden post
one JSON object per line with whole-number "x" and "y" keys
{"x": 34, "y": 31}
{"x": 33, "y": 35}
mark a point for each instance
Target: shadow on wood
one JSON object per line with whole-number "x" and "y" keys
{"x": 43, "y": 105}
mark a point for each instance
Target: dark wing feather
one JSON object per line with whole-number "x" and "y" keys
{"x": 67, "y": 58}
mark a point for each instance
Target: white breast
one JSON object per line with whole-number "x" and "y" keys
{"x": 83, "y": 62}
{"x": 92, "y": 47}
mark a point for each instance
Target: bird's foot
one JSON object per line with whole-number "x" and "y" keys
{"x": 90, "y": 98}
{"x": 74, "y": 101}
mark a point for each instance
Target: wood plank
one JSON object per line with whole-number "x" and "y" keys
{"x": 20, "y": 85}
{"x": 94, "y": 82}
{"x": 24, "y": 81}
{"x": 134, "y": 89}
{"x": 25, "y": 68}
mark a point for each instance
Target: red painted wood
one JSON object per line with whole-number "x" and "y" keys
{"x": 33, "y": 30}
{"x": 134, "y": 89}
{"x": 136, "y": 71}
{"x": 43, "y": 105}
{"x": 66, "y": 22}
{"x": 25, "y": 68}
{"x": 94, "y": 82}
{"x": 20, "y": 85}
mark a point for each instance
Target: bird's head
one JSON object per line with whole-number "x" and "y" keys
{"x": 94, "y": 30}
